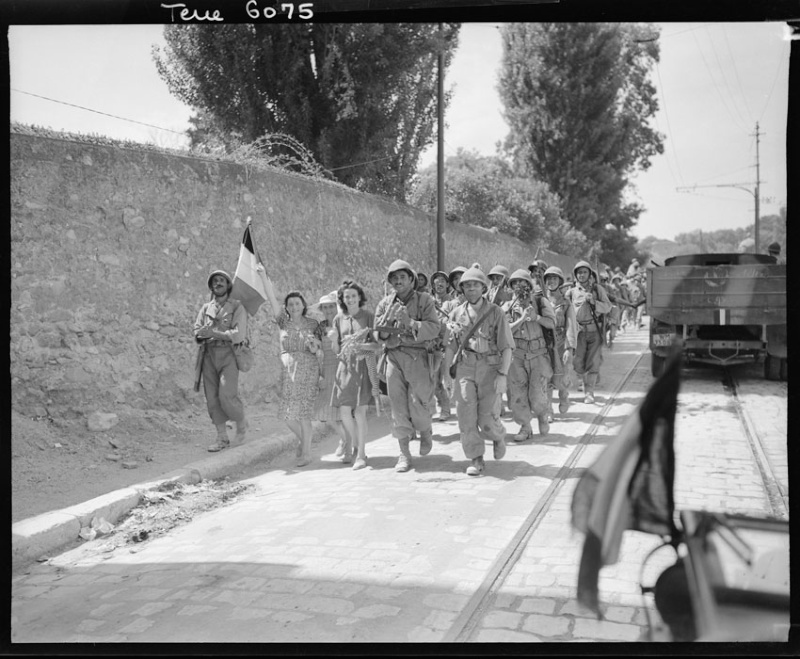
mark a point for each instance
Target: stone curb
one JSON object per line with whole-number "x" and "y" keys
{"x": 48, "y": 533}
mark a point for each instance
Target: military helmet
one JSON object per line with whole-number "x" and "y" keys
{"x": 499, "y": 270}
{"x": 398, "y": 265}
{"x": 458, "y": 270}
{"x": 554, "y": 270}
{"x": 583, "y": 264}
{"x": 774, "y": 248}
{"x": 439, "y": 273}
{"x": 224, "y": 274}
{"x": 474, "y": 274}
{"x": 521, "y": 274}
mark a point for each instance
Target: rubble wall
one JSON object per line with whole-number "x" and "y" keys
{"x": 111, "y": 247}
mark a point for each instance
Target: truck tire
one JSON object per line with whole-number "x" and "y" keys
{"x": 656, "y": 364}
{"x": 772, "y": 368}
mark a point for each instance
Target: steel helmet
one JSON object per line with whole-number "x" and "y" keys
{"x": 224, "y": 274}
{"x": 474, "y": 274}
{"x": 583, "y": 264}
{"x": 499, "y": 270}
{"x": 555, "y": 270}
{"x": 521, "y": 274}
{"x": 441, "y": 274}
{"x": 398, "y": 265}
{"x": 458, "y": 270}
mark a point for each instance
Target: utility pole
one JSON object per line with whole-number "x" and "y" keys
{"x": 440, "y": 161}
{"x": 741, "y": 186}
{"x": 758, "y": 187}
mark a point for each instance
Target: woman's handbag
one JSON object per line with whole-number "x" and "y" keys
{"x": 244, "y": 356}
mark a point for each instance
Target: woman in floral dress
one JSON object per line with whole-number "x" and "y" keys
{"x": 351, "y": 339}
{"x": 301, "y": 355}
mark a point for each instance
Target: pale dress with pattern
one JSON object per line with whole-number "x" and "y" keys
{"x": 300, "y": 376}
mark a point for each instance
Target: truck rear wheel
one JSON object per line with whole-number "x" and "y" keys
{"x": 772, "y": 368}
{"x": 656, "y": 364}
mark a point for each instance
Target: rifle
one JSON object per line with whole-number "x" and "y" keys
{"x": 198, "y": 365}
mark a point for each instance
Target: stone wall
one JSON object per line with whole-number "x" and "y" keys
{"x": 111, "y": 247}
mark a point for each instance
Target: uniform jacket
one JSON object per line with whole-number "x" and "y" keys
{"x": 577, "y": 295}
{"x": 230, "y": 318}
{"x": 420, "y": 307}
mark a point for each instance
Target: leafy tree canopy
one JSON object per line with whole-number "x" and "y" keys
{"x": 578, "y": 98}
{"x": 361, "y": 97}
{"x": 483, "y": 191}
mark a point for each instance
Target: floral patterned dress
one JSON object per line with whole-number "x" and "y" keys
{"x": 300, "y": 377}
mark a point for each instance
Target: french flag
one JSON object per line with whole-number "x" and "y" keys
{"x": 247, "y": 285}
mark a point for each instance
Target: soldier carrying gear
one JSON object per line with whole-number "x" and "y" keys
{"x": 498, "y": 293}
{"x": 407, "y": 326}
{"x": 529, "y": 317}
{"x": 590, "y": 301}
{"x": 566, "y": 334}
{"x": 480, "y": 345}
{"x": 220, "y": 325}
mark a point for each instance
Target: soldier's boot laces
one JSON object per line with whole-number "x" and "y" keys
{"x": 404, "y": 461}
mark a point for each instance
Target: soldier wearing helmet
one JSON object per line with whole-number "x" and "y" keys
{"x": 407, "y": 326}
{"x": 591, "y": 302}
{"x": 439, "y": 282}
{"x": 498, "y": 291}
{"x": 614, "y": 317}
{"x": 529, "y": 316}
{"x": 220, "y": 325}
{"x": 481, "y": 368}
{"x": 566, "y": 335}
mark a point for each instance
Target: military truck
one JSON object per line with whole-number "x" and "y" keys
{"x": 725, "y": 309}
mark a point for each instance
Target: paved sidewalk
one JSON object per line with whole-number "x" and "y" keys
{"x": 327, "y": 554}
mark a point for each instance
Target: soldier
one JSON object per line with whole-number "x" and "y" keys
{"x": 220, "y": 325}
{"x": 498, "y": 292}
{"x": 440, "y": 296}
{"x": 481, "y": 368}
{"x": 531, "y": 368}
{"x": 613, "y": 317}
{"x": 566, "y": 334}
{"x": 537, "y": 270}
{"x": 457, "y": 296}
{"x": 590, "y": 301}
{"x": 406, "y": 325}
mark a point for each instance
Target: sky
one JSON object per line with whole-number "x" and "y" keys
{"x": 715, "y": 82}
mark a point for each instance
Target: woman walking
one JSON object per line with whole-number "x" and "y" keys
{"x": 301, "y": 356}
{"x": 352, "y": 340}
{"x": 325, "y": 413}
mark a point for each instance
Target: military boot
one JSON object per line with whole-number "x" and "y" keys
{"x": 222, "y": 439}
{"x": 241, "y": 430}
{"x": 404, "y": 461}
{"x": 425, "y": 442}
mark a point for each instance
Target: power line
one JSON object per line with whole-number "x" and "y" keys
{"x": 80, "y": 107}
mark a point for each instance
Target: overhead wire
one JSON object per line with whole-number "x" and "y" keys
{"x": 81, "y": 107}
{"x": 731, "y": 96}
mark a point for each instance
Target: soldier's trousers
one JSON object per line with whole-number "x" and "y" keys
{"x": 588, "y": 357}
{"x": 528, "y": 380}
{"x": 561, "y": 380}
{"x": 478, "y": 418}
{"x": 410, "y": 389}
{"x": 221, "y": 385}
{"x": 440, "y": 394}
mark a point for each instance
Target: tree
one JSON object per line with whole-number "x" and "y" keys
{"x": 483, "y": 191}
{"x": 361, "y": 97}
{"x": 577, "y": 99}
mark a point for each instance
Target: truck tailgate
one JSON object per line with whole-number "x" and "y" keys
{"x": 718, "y": 295}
